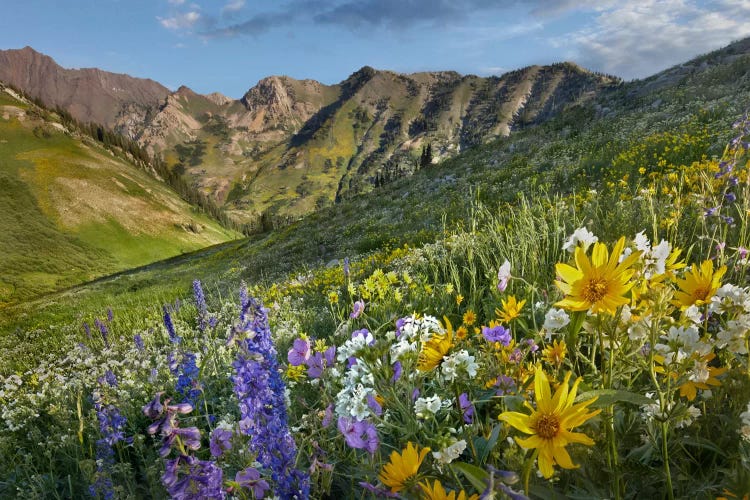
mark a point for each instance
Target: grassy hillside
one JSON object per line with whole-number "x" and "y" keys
{"x": 659, "y": 156}
{"x": 71, "y": 211}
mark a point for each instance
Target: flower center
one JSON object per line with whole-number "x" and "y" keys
{"x": 595, "y": 290}
{"x": 547, "y": 426}
{"x": 701, "y": 293}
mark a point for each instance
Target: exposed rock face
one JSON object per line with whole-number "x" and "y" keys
{"x": 90, "y": 95}
{"x": 294, "y": 144}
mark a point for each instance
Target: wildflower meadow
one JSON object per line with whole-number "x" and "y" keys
{"x": 592, "y": 345}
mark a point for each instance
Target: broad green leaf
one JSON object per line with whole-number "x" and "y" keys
{"x": 608, "y": 397}
{"x": 476, "y": 476}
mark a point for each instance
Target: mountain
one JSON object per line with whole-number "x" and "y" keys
{"x": 72, "y": 211}
{"x": 289, "y": 147}
{"x": 679, "y": 116}
{"x": 90, "y": 95}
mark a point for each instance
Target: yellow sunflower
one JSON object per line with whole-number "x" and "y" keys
{"x": 555, "y": 354}
{"x": 437, "y": 492}
{"x": 551, "y": 422}
{"x": 402, "y": 467}
{"x": 469, "y": 318}
{"x": 435, "y": 348}
{"x": 598, "y": 284}
{"x": 699, "y": 285}
{"x": 511, "y": 309}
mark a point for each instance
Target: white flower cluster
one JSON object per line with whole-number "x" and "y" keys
{"x": 580, "y": 236}
{"x": 413, "y": 331}
{"x": 655, "y": 258}
{"x": 681, "y": 343}
{"x": 554, "y": 321}
{"x": 449, "y": 453}
{"x": 458, "y": 363}
{"x": 353, "y": 345}
{"x": 429, "y": 407}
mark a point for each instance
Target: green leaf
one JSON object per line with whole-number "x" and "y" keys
{"x": 608, "y": 397}
{"x": 484, "y": 446}
{"x": 476, "y": 476}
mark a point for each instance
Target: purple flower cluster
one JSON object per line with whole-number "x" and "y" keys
{"x": 188, "y": 384}
{"x": 186, "y": 476}
{"x": 200, "y": 303}
{"x": 103, "y": 330}
{"x": 250, "y": 478}
{"x": 170, "y": 327}
{"x": 467, "y": 408}
{"x": 112, "y": 429}
{"x": 359, "y": 434}
{"x": 260, "y": 391}
{"x": 316, "y": 363}
{"x": 496, "y": 334}
{"x": 189, "y": 478}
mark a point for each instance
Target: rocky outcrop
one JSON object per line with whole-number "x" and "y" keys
{"x": 90, "y": 95}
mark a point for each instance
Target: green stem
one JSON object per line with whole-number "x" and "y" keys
{"x": 527, "y": 470}
{"x": 665, "y": 453}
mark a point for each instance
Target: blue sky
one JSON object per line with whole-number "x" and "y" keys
{"x": 228, "y": 45}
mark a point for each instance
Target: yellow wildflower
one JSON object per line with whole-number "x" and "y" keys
{"x": 598, "y": 284}
{"x": 402, "y": 467}
{"x": 435, "y": 348}
{"x": 555, "y": 354}
{"x": 550, "y": 424}
{"x": 437, "y": 492}
{"x": 511, "y": 309}
{"x": 699, "y": 285}
{"x": 469, "y": 318}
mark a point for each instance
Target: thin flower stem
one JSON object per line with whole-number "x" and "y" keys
{"x": 527, "y": 470}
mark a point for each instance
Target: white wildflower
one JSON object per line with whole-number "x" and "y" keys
{"x": 580, "y": 236}
{"x": 427, "y": 407}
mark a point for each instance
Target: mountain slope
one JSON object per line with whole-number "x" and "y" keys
{"x": 289, "y": 147}
{"x": 578, "y": 150}
{"x": 71, "y": 211}
{"x": 90, "y": 95}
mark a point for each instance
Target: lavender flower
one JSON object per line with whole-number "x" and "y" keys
{"x": 496, "y": 334}
{"x": 374, "y": 405}
{"x": 221, "y": 440}
{"x": 260, "y": 391}
{"x": 467, "y": 408}
{"x": 103, "y": 330}
{"x": 170, "y": 327}
{"x": 188, "y": 384}
{"x": 110, "y": 378}
{"x": 110, "y": 315}
{"x": 138, "y": 341}
{"x": 250, "y": 478}
{"x": 352, "y": 431}
{"x": 189, "y": 478}
{"x": 346, "y": 267}
{"x": 359, "y": 434}
{"x": 397, "y": 368}
{"x": 359, "y": 306}
{"x": 112, "y": 429}
{"x": 200, "y": 303}
{"x": 87, "y": 329}
{"x": 299, "y": 353}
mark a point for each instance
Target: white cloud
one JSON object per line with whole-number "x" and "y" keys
{"x": 180, "y": 21}
{"x": 176, "y": 2}
{"x": 638, "y": 38}
{"x": 232, "y": 6}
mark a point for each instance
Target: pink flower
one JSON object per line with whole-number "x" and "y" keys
{"x": 359, "y": 306}
{"x": 503, "y": 276}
